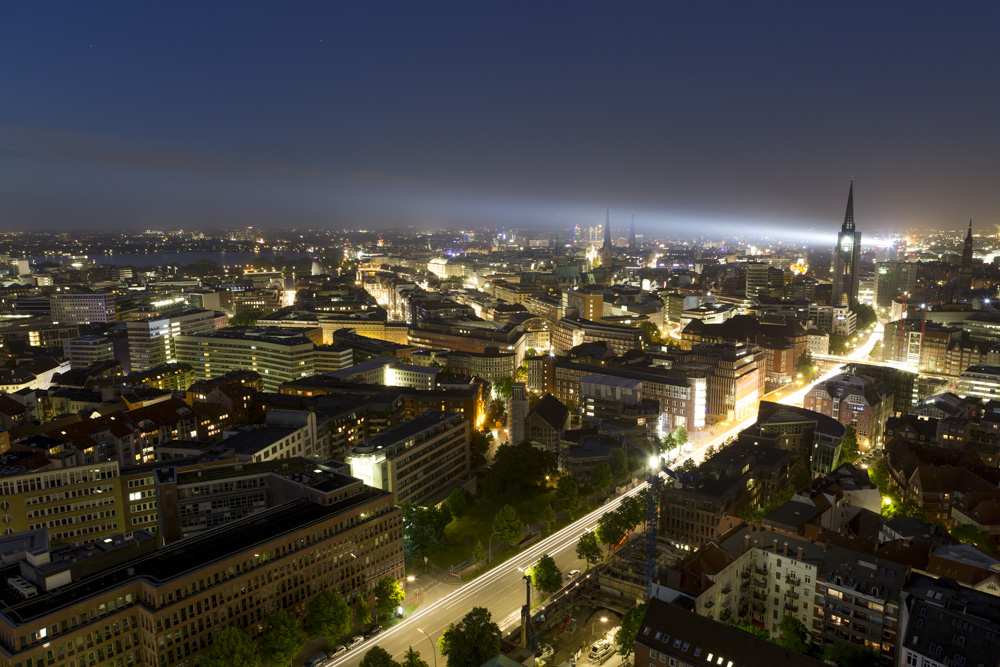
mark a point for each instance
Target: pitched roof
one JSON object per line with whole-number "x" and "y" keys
{"x": 551, "y": 410}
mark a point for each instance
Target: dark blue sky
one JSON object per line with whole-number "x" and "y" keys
{"x": 727, "y": 115}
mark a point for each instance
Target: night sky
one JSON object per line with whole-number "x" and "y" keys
{"x": 731, "y": 116}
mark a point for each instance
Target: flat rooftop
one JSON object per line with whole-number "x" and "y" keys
{"x": 182, "y": 557}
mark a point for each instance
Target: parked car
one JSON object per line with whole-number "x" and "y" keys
{"x": 318, "y": 660}
{"x": 372, "y": 631}
{"x": 573, "y": 574}
{"x": 339, "y": 651}
{"x": 356, "y": 641}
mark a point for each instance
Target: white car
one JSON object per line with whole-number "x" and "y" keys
{"x": 356, "y": 641}
{"x": 339, "y": 651}
{"x": 572, "y": 574}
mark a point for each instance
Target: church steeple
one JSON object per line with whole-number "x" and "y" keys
{"x": 965, "y": 270}
{"x": 607, "y": 250}
{"x": 849, "y": 216}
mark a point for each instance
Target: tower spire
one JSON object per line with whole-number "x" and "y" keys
{"x": 607, "y": 230}
{"x": 849, "y": 216}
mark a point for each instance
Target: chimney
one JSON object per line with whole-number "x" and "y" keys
{"x": 761, "y": 541}
{"x": 775, "y": 545}
{"x": 746, "y": 544}
{"x": 799, "y": 553}
{"x": 786, "y": 548}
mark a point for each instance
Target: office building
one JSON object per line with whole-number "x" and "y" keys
{"x": 151, "y": 341}
{"x": 419, "y": 460}
{"x": 517, "y": 412}
{"x": 83, "y": 307}
{"x": 164, "y": 607}
{"x": 893, "y": 279}
{"x": 278, "y": 355}
{"x": 86, "y": 350}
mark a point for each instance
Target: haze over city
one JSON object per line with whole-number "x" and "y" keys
{"x": 206, "y": 115}
{"x": 559, "y": 334}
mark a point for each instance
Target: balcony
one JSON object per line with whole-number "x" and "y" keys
{"x": 760, "y": 570}
{"x": 791, "y": 595}
{"x": 791, "y": 579}
{"x": 745, "y": 574}
{"x": 791, "y": 607}
{"x": 727, "y": 589}
{"x": 760, "y": 582}
{"x": 759, "y": 596}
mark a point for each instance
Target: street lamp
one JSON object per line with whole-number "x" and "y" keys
{"x": 489, "y": 548}
{"x": 433, "y": 648}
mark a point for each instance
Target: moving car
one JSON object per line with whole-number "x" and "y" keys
{"x": 573, "y": 574}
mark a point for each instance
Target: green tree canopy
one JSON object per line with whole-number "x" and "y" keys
{"x": 848, "y": 446}
{"x": 680, "y": 435}
{"x": 624, "y": 639}
{"x": 508, "y": 525}
{"x": 504, "y": 388}
{"x": 389, "y": 594}
{"x": 479, "y": 445}
{"x": 246, "y": 318}
{"x": 479, "y": 552}
{"x": 424, "y": 530}
{"x": 601, "y": 479}
{"x": 328, "y": 615}
{"x": 412, "y": 659}
{"x": 231, "y": 647}
{"x": 795, "y": 636}
{"x": 473, "y": 641}
{"x": 518, "y": 468}
{"x": 588, "y": 548}
{"x": 619, "y": 464}
{"x": 377, "y": 656}
{"x": 568, "y": 494}
{"x": 545, "y": 576}
{"x": 865, "y": 314}
{"x": 364, "y": 612}
{"x": 611, "y": 529}
{"x": 458, "y": 502}
{"x": 281, "y": 640}
{"x": 971, "y": 534}
{"x": 851, "y": 655}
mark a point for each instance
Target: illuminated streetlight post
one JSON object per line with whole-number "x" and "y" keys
{"x": 433, "y": 648}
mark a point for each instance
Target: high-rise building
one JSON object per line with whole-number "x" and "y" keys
{"x": 151, "y": 341}
{"x": 845, "y": 259}
{"x": 756, "y": 283}
{"x": 632, "y": 245}
{"x": 893, "y": 278}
